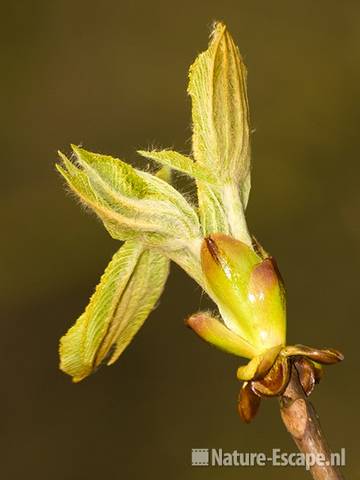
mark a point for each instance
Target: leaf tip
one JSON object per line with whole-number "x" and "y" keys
{"x": 218, "y": 28}
{"x": 165, "y": 173}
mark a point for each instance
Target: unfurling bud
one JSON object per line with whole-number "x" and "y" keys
{"x": 158, "y": 224}
{"x": 248, "y": 290}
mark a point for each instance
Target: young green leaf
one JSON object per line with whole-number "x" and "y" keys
{"x": 140, "y": 297}
{"x": 221, "y": 144}
{"x": 128, "y": 290}
{"x": 132, "y": 204}
{"x": 217, "y": 88}
{"x": 213, "y": 215}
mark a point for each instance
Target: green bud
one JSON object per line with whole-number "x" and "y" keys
{"x": 247, "y": 289}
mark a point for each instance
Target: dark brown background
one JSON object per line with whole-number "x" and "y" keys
{"x": 112, "y": 75}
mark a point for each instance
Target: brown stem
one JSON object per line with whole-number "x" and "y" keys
{"x": 302, "y": 422}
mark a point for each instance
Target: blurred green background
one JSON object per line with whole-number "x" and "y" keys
{"x": 112, "y": 76}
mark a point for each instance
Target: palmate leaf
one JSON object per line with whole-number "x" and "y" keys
{"x": 156, "y": 222}
{"x": 128, "y": 291}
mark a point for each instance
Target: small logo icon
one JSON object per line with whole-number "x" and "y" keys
{"x": 200, "y": 457}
